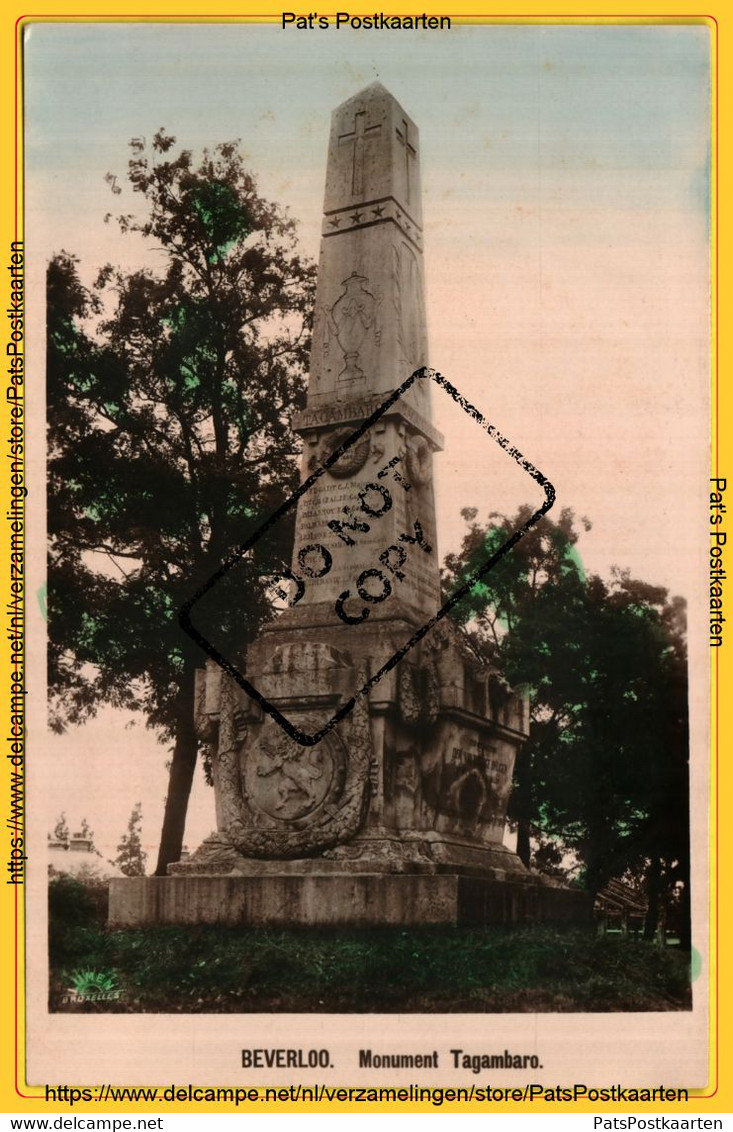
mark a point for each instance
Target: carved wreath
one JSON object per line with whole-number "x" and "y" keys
{"x": 295, "y": 801}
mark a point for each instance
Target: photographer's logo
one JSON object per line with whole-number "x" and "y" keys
{"x": 92, "y": 986}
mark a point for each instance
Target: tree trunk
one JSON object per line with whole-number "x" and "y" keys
{"x": 653, "y": 891}
{"x": 685, "y": 914}
{"x": 595, "y": 872}
{"x": 524, "y": 848}
{"x": 592, "y": 888}
{"x": 180, "y": 777}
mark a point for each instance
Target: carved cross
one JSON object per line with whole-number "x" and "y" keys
{"x": 358, "y": 137}
{"x": 410, "y": 154}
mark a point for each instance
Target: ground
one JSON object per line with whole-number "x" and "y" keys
{"x": 211, "y": 969}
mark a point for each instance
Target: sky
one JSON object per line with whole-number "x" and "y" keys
{"x": 565, "y": 180}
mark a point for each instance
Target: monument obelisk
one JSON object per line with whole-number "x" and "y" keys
{"x": 396, "y": 814}
{"x": 369, "y": 336}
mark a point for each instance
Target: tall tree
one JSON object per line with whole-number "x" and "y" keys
{"x": 658, "y": 715}
{"x": 605, "y": 767}
{"x": 170, "y": 392}
{"x": 514, "y": 615}
{"x": 131, "y": 856}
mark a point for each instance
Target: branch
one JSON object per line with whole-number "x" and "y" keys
{"x": 101, "y": 547}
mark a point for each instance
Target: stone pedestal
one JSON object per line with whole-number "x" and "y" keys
{"x": 322, "y": 900}
{"x": 416, "y": 778}
{"x": 396, "y": 817}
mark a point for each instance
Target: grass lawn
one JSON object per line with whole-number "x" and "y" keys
{"x": 212, "y": 969}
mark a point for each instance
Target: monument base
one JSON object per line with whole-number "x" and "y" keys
{"x": 325, "y": 899}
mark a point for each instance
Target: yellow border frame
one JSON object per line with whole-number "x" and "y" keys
{"x": 15, "y": 1095}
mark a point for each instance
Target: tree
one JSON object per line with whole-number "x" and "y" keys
{"x": 512, "y": 614}
{"x": 87, "y": 833}
{"x": 170, "y": 394}
{"x": 605, "y": 767}
{"x": 661, "y": 735}
{"x": 131, "y": 857}
{"x": 61, "y": 829}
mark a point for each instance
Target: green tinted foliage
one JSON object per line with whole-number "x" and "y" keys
{"x": 170, "y": 393}
{"x": 222, "y": 218}
{"x": 388, "y": 970}
{"x": 604, "y": 771}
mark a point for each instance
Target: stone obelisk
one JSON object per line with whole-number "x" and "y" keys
{"x": 369, "y": 336}
{"x": 397, "y": 813}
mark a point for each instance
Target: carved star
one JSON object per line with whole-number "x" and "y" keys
{"x": 356, "y": 216}
{"x": 378, "y": 210}
{"x": 335, "y": 222}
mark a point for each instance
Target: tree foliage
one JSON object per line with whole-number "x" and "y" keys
{"x": 605, "y": 769}
{"x": 131, "y": 856}
{"x": 170, "y": 391}
{"x": 87, "y": 832}
{"x": 61, "y": 829}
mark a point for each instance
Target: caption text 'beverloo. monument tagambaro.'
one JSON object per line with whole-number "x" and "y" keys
{"x": 397, "y": 814}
